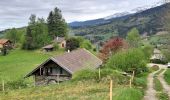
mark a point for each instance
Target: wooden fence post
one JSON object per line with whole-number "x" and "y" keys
{"x": 3, "y": 85}
{"x": 99, "y": 74}
{"x": 111, "y": 89}
{"x": 130, "y": 83}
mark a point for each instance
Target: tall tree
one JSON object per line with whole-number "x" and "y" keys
{"x": 56, "y": 24}
{"x": 12, "y": 35}
{"x": 133, "y": 37}
{"x": 37, "y": 34}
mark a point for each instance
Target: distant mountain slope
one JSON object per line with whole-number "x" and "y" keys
{"x": 148, "y": 21}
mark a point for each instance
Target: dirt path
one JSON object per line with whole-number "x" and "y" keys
{"x": 150, "y": 93}
{"x": 166, "y": 87}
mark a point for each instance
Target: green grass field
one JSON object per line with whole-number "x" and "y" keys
{"x": 18, "y": 63}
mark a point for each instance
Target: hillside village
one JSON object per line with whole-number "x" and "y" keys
{"x": 45, "y": 61}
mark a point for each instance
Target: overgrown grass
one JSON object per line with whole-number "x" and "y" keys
{"x": 141, "y": 80}
{"x": 157, "y": 85}
{"x": 167, "y": 76}
{"x": 128, "y": 94}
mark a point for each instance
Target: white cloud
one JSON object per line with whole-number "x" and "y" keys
{"x": 15, "y": 13}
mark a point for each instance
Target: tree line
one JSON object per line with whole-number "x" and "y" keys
{"x": 39, "y": 31}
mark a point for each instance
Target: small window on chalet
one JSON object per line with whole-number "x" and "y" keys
{"x": 50, "y": 70}
{"x": 61, "y": 70}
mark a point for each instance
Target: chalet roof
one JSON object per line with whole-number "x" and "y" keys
{"x": 48, "y": 46}
{"x": 2, "y": 41}
{"x": 74, "y": 61}
{"x": 59, "y": 39}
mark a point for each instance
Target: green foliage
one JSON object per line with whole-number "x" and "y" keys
{"x": 128, "y": 94}
{"x": 72, "y": 43}
{"x": 86, "y": 44}
{"x": 167, "y": 76}
{"x": 56, "y": 24}
{"x": 133, "y": 37}
{"x": 147, "y": 49}
{"x": 15, "y": 35}
{"x": 56, "y": 46}
{"x": 133, "y": 59}
{"x": 37, "y": 34}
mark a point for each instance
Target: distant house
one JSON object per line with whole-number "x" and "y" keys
{"x": 49, "y": 48}
{"x": 60, "y": 41}
{"x": 5, "y": 43}
{"x": 157, "y": 56}
{"x": 61, "y": 68}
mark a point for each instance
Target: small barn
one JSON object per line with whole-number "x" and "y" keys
{"x": 49, "y": 48}
{"x": 60, "y": 41}
{"x": 5, "y": 43}
{"x": 61, "y": 68}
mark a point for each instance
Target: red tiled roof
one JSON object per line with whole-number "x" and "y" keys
{"x": 74, "y": 61}
{"x": 2, "y": 41}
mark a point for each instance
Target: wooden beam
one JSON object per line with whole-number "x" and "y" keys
{"x": 111, "y": 89}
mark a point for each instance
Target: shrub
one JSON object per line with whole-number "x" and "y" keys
{"x": 133, "y": 59}
{"x": 56, "y": 46}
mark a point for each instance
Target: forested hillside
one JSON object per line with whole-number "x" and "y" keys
{"x": 148, "y": 22}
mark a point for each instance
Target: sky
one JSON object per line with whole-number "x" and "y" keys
{"x": 16, "y": 13}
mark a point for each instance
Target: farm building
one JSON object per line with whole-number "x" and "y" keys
{"x": 61, "y": 68}
{"x": 60, "y": 41}
{"x": 49, "y": 48}
{"x": 5, "y": 43}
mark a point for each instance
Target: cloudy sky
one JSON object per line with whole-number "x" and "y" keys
{"x": 15, "y": 13}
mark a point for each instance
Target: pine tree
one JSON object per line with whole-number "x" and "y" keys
{"x": 56, "y": 24}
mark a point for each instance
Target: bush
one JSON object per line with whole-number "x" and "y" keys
{"x": 133, "y": 59}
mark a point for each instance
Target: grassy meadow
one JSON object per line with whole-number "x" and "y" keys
{"x": 18, "y": 63}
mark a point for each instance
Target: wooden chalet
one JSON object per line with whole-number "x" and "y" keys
{"x": 61, "y": 41}
{"x": 5, "y": 43}
{"x": 61, "y": 68}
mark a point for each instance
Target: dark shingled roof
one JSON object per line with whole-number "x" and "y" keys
{"x": 74, "y": 61}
